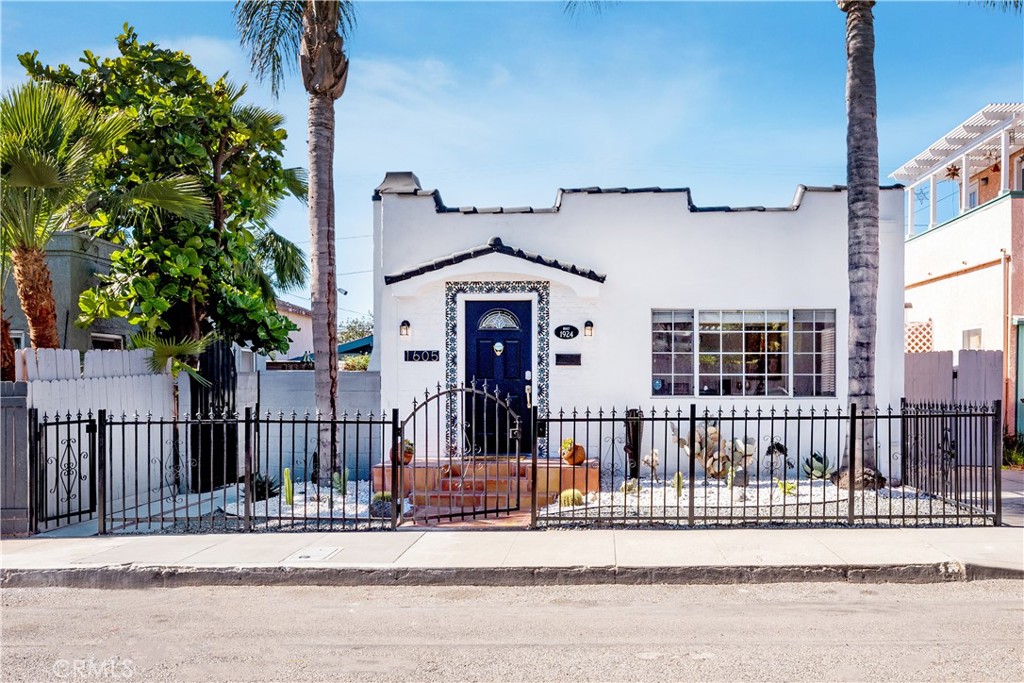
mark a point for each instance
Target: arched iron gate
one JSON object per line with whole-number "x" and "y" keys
{"x": 460, "y": 454}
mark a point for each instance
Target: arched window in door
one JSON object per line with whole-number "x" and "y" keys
{"x": 498, "y": 319}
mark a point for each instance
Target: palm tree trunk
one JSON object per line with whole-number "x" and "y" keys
{"x": 35, "y": 291}
{"x": 862, "y": 217}
{"x": 7, "y": 373}
{"x": 323, "y": 295}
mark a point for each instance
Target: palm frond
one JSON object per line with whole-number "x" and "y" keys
{"x": 254, "y": 117}
{"x": 173, "y": 351}
{"x": 286, "y": 262}
{"x": 296, "y": 180}
{"x": 269, "y": 31}
{"x": 180, "y": 195}
{"x": 1016, "y": 6}
{"x": 577, "y": 7}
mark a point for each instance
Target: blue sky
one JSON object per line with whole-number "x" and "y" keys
{"x": 502, "y": 103}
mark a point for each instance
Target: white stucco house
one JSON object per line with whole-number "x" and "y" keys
{"x": 627, "y": 297}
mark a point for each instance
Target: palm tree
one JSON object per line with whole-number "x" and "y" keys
{"x": 862, "y": 220}
{"x": 51, "y": 144}
{"x": 278, "y": 35}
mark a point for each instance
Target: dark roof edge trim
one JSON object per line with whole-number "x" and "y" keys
{"x": 440, "y": 207}
{"x": 493, "y": 246}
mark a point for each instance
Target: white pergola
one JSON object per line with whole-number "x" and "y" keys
{"x": 993, "y": 134}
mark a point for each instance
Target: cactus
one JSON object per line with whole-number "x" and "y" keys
{"x": 381, "y": 497}
{"x": 570, "y": 498}
{"x": 630, "y": 486}
{"x": 289, "y": 488}
{"x": 678, "y": 482}
{"x": 340, "y": 482}
{"x": 818, "y": 466}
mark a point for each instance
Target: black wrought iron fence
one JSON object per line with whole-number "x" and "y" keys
{"x": 932, "y": 465}
{"x": 211, "y": 472}
{"x": 936, "y": 464}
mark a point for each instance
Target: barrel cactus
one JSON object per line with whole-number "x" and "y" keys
{"x": 818, "y": 466}
{"x": 570, "y": 498}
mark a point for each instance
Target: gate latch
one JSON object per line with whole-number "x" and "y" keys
{"x": 515, "y": 433}
{"x": 90, "y": 427}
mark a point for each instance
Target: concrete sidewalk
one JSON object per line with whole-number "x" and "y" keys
{"x": 517, "y": 557}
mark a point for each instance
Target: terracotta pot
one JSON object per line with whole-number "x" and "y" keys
{"x": 407, "y": 455}
{"x": 577, "y": 455}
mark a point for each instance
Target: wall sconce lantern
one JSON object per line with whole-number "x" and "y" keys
{"x": 588, "y": 329}
{"x": 404, "y": 328}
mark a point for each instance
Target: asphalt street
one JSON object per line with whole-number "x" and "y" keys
{"x": 772, "y": 632}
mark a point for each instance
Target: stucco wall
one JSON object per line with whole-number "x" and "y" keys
{"x": 657, "y": 253}
{"x": 302, "y": 338}
{"x": 970, "y": 300}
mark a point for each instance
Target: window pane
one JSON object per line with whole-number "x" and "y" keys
{"x": 661, "y": 318}
{"x": 709, "y": 342}
{"x": 755, "y": 341}
{"x": 732, "y": 385}
{"x": 732, "y": 363}
{"x": 755, "y": 363}
{"x": 683, "y": 364}
{"x": 709, "y": 385}
{"x": 778, "y": 387}
{"x": 732, "y": 342}
{"x": 778, "y": 318}
{"x": 777, "y": 364}
{"x": 754, "y": 387}
{"x": 683, "y": 341}
{"x": 710, "y": 319}
{"x": 661, "y": 385}
{"x": 662, "y": 341}
{"x": 803, "y": 343}
{"x": 710, "y": 363}
{"x": 803, "y": 363}
{"x": 662, "y": 363}
{"x": 803, "y": 385}
{"x": 683, "y": 387}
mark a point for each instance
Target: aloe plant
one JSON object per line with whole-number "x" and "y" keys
{"x": 817, "y": 466}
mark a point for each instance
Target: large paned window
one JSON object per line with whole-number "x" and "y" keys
{"x": 814, "y": 353}
{"x": 743, "y": 353}
{"x": 672, "y": 358}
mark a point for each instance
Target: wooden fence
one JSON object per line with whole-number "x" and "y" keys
{"x": 942, "y": 377}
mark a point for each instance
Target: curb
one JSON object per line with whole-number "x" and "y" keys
{"x": 142, "y": 576}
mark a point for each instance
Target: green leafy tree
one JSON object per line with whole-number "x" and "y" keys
{"x": 181, "y": 278}
{"x": 54, "y": 143}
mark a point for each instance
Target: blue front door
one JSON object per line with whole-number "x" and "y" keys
{"x": 499, "y": 351}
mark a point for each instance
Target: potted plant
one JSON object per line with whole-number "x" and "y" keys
{"x": 408, "y": 451}
{"x": 573, "y": 453}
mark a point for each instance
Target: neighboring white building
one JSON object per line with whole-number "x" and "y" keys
{"x": 965, "y": 266}
{"x": 672, "y": 302}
